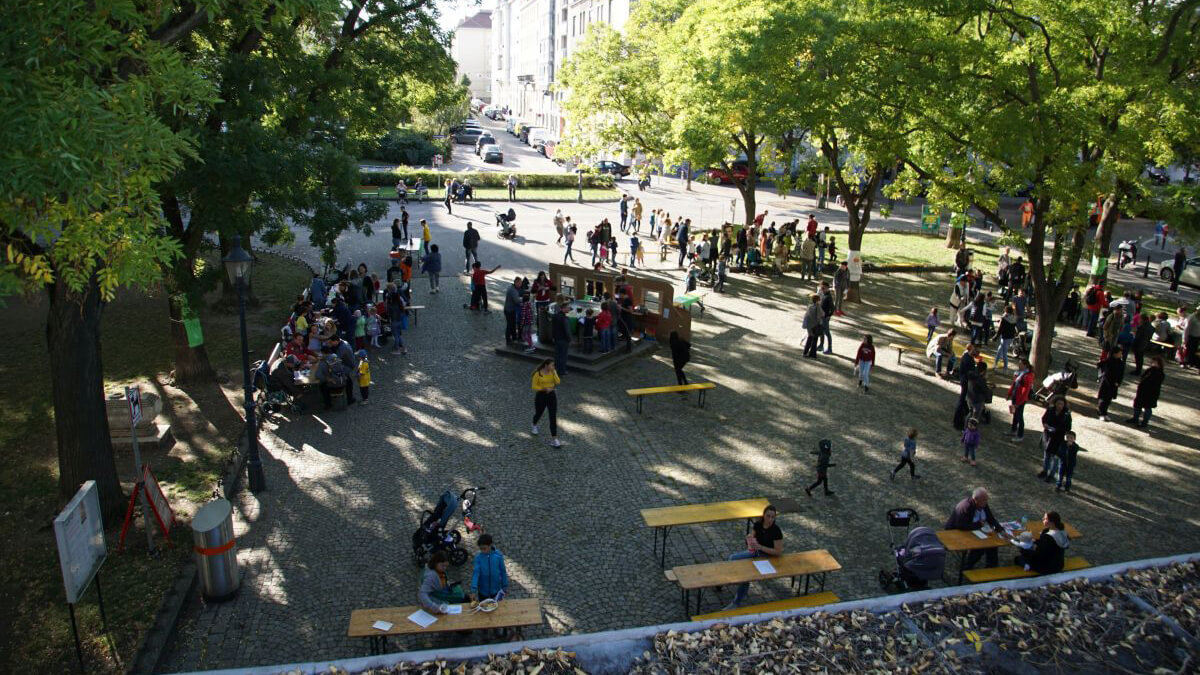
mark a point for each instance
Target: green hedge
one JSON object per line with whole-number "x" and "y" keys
{"x": 435, "y": 179}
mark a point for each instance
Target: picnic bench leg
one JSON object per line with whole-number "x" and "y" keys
{"x": 962, "y": 561}
{"x": 702, "y": 393}
{"x": 639, "y": 404}
{"x": 666, "y": 531}
{"x": 899, "y": 355}
{"x": 699, "y": 595}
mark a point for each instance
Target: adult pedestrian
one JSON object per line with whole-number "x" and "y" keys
{"x": 1094, "y": 300}
{"x": 808, "y": 255}
{"x": 431, "y": 265}
{"x": 1148, "y": 390}
{"x": 404, "y": 222}
{"x": 560, "y": 330}
{"x": 810, "y": 228}
{"x": 681, "y": 353}
{"x": 512, "y": 187}
{"x": 970, "y": 359}
{"x": 812, "y": 323}
{"x": 1018, "y": 395}
{"x": 742, "y": 247}
{"x": 978, "y": 393}
{"x": 841, "y": 284}
{"x": 512, "y": 303}
{"x": 827, "y": 309}
{"x": 397, "y": 234}
{"x": 470, "y": 244}
{"x": 1191, "y": 339}
{"x": 624, "y": 211}
{"x": 396, "y": 308}
{"x": 973, "y": 513}
{"x": 545, "y": 399}
{"x": 426, "y": 236}
{"x": 1142, "y": 335}
{"x": 636, "y": 213}
{"x": 681, "y": 239}
{"x": 1112, "y": 372}
{"x": 1006, "y": 330}
{"x": 559, "y": 225}
{"x": 864, "y": 360}
{"x": 823, "y": 452}
{"x": 569, "y": 239}
{"x": 1056, "y": 422}
{"x": 1177, "y": 266}
{"x": 449, "y": 196}
{"x": 766, "y": 539}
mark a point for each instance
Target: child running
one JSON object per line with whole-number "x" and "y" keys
{"x": 970, "y": 441}
{"x": 908, "y": 455}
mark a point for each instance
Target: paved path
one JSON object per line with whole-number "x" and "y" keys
{"x": 347, "y": 489}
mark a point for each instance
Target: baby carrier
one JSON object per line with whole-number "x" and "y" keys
{"x": 919, "y": 560}
{"x": 434, "y": 534}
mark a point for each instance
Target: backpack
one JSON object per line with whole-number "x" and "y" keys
{"x": 1091, "y": 297}
{"x": 337, "y": 377}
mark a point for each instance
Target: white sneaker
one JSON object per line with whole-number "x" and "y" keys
{"x": 535, "y": 430}
{"x": 554, "y": 443}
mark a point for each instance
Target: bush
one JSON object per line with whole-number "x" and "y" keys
{"x": 405, "y": 146}
{"x": 435, "y": 179}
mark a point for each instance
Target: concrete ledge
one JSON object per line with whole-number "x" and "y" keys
{"x": 614, "y": 651}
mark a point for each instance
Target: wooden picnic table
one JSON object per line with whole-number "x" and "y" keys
{"x": 508, "y": 614}
{"x": 666, "y": 517}
{"x": 732, "y": 572}
{"x": 965, "y": 541}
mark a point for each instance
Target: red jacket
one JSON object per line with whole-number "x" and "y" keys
{"x": 604, "y": 319}
{"x": 1021, "y": 387}
{"x": 865, "y": 353}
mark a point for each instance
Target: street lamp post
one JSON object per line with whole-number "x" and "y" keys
{"x": 579, "y": 187}
{"x": 237, "y": 266}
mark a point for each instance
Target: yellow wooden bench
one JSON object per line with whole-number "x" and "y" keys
{"x": 1165, "y": 345}
{"x": 701, "y": 387}
{"x": 1014, "y": 572}
{"x": 814, "y": 600}
{"x": 509, "y": 613}
{"x": 686, "y": 301}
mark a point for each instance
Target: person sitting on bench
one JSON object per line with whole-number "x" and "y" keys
{"x": 1047, "y": 554}
{"x": 283, "y": 377}
{"x": 765, "y": 540}
{"x": 436, "y": 592}
{"x": 973, "y": 513}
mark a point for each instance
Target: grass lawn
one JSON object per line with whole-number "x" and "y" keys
{"x": 488, "y": 194}
{"x": 35, "y": 630}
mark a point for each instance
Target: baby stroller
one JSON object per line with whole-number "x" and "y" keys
{"x": 919, "y": 560}
{"x": 507, "y": 224}
{"x": 1057, "y": 384}
{"x": 435, "y": 535}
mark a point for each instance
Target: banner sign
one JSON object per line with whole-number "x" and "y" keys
{"x": 134, "y": 396}
{"x": 854, "y": 265}
{"x": 79, "y": 532}
{"x": 929, "y": 219}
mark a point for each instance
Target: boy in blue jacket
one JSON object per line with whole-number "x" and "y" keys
{"x": 490, "y": 578}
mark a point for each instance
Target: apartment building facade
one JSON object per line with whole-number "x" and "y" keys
{"x": 472, "y": 51}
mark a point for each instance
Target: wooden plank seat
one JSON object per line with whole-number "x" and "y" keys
{"x": 814, "y": 600}
{"x": 509, "y": 613}
{"x": 701, "y": 387}
{"x": 1013, "y": 572}
{"x": 805, "y": 564}
{"x": 666, "y": 517}
{"x": 902, "y": 347}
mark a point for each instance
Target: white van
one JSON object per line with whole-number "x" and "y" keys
{"x": 538, "y": 134}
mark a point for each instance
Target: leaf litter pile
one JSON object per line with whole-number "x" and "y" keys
{"x": 1143, "y": 621}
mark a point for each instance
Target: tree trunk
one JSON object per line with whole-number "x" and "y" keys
{"x": 191, "y": 363}
{"x": 953, "y": 236}
{"x": 1049, "y": 289}
{"x": 85, "y": 450}
{"x": 1104, "y": 231}
{"x": 854, "y": 239}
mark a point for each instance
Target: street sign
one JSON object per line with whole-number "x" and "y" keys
{"x": 158, "y": 503}
{"x": 79, "y": 531}
{"x": 134, "y": 396}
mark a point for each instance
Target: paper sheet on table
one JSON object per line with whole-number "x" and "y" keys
{"x": 454, "y": 609}
{"x": 764, "y": 567}
{"x": 422, "y": 618}
{"x": 382, "y": 625}
{"x": 980, "y": 533}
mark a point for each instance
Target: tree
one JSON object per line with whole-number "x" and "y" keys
{"x": 727, "y": 83}
{"x": 1062, "y": 99}
{"x": 298, "y": 81}
{"x": 84, "y": 145}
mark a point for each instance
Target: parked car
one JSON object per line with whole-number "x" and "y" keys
{"x": 548, "y": 148}
{"x": 468, "y": 135}
{"x": 465, "y": 124}
{"x": 526, "y": 130}
{"x": 739, "y": 170}
{"x": 492, "y": 153}
{"x": 485, "y": 138}
{"x": 610, "y": 167}
{"x": 494, "y": 114}
{"x": 537, "y": 136}
{"x": 1190, "y": 276}
{"x": 512, "y": 125}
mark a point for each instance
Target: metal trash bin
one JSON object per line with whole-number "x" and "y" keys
{"x": 216, "y": 550}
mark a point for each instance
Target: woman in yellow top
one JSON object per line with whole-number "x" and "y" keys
{"x": 545, "y": 379}
{"x": 426, "y": 237}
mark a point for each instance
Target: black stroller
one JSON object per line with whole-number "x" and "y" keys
{"x": 1058, "y": 384}
{"x": 919, "y": 560}
{"x": 435, "y": 535}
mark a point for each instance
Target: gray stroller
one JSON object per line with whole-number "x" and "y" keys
{"x": 919, "y": 560}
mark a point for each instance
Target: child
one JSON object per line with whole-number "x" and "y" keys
{"x": 823, "y": 452}
{"x": 931, "y": 323}
{"x": 635, "y": 252}
{"x": 863, "y": 360}
{"x": 587, "y": 331}
{"x": 908, "y": 454}
{"x": 970, "y": 441}
{"x": 832, "y": 251}
{"x": 406, "y": 269}
{"x": 364, "y": 375}
{"x": 526, "y": 314}
{"x": 373, "y": 327}
{"x": 612, "y": 251}
{"x": 490, "y": 578}
{"x": 1067, "y": 453}
{"x": 360, "y": 329}
{"x": 479, "y": 287}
